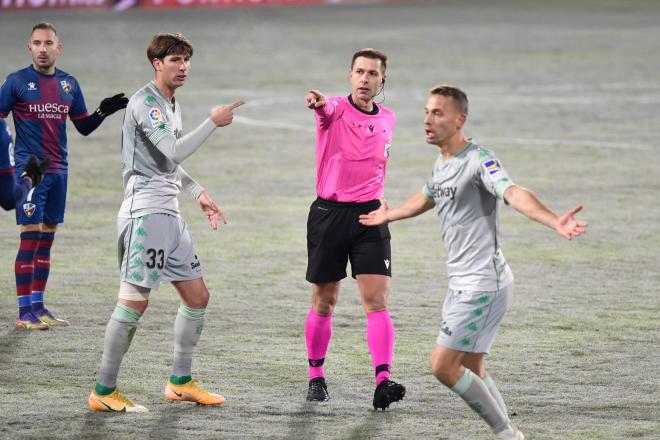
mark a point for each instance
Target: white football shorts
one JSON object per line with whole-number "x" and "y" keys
{"x": 470, "y": 319}
{"x": 156, "y": 248}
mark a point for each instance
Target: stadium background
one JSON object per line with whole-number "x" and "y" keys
{"x": 566, "y": 92}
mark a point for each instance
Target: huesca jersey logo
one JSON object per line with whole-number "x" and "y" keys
{"x": 28, "y": 209}
{"x": 66, "y": 86}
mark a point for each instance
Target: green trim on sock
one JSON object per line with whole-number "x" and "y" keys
{"x": 125, "y": 313}
{"x": 463, "y": 383}
{"x": 180, "y": 380}
{"x": 103, "y": 391}
{"x": 191, "y": 313}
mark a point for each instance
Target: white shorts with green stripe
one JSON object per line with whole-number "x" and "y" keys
{"x": 470, "y": 319}
{"x": 156, "y": 248}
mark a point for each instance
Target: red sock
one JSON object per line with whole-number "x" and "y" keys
{"x": 41, "y": 271}
{"x": 24, "y": 268}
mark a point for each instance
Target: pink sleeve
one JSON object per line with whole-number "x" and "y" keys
{"x": 324, "y": 114}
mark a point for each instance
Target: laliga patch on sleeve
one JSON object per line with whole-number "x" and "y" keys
{"x": 492, "y": 167}
{"x": 155, "y": 116}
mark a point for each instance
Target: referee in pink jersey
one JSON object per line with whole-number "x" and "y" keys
{"x": 353, "y": 139}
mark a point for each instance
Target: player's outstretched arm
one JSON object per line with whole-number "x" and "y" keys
{"x": 314, "y": 99}
{"x": 107, "y": 107}
{"x": 525, "y": 202}
{"x": 211, "y": 210}
{"x": 177, "y": 150}
{"x": 415, "y": 205}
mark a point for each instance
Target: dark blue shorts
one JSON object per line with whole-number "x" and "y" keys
{"x": 45, "y": 203}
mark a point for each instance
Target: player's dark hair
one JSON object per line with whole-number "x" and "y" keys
{"x": 459, "y": 96}
{"x": 373, "y": 54}
{"x": 43, "y": 25}
{"x": 162, "y": 45}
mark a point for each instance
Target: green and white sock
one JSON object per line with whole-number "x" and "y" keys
{"x": 118, "y": 336}
{"x": 475, "y": 393}
{"x": 496, "y": 394}
{"x": 187, "y": 330}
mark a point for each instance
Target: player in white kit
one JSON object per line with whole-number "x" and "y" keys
{"x": 465, "y": 185}
{"x": 154, "y": 244}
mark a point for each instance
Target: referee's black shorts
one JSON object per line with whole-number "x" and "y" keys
{"x": 334, "y": 236}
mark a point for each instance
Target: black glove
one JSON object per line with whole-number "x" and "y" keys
{"x": 112, "y": 104}
{"x": 35, "y": 170}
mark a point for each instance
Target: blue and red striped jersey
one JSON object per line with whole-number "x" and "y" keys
{"x": 40, "y": 104}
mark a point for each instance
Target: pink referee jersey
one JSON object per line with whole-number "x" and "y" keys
{"x": 352, "y": 148}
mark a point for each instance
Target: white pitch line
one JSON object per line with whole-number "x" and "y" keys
{"x": 576, "y": 143}
{"x": 573, "y": 143}
{"x": 273, "y": 124}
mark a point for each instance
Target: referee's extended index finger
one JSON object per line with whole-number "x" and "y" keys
{"x": 315, "y": 92}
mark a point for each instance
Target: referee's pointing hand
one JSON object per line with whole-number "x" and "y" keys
{"x": 314, "y": 99}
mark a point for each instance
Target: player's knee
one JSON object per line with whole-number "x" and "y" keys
{"x": 202, "y": 300}
{"x": 136, "y": 297}
{"x": 138, "y": 306}
{"x": 441, "y": 369}
{"x": 477, "y": 369}
{"x": 199, "y": 300}
{"x": 31, "y": 227}
{"x": 47, "y": 227}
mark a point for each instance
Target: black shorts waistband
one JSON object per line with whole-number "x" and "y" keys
{"x": 375, "y": 204}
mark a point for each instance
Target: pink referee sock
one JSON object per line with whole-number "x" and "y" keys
{"x": 318, "y": 331}
{"x": 380, "y": 339}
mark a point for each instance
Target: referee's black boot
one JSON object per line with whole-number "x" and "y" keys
{"x": 387, "y": 392}
{"x": 318, "y": 390}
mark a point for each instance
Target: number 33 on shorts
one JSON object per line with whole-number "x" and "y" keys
{"x": 156, "y": 248}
